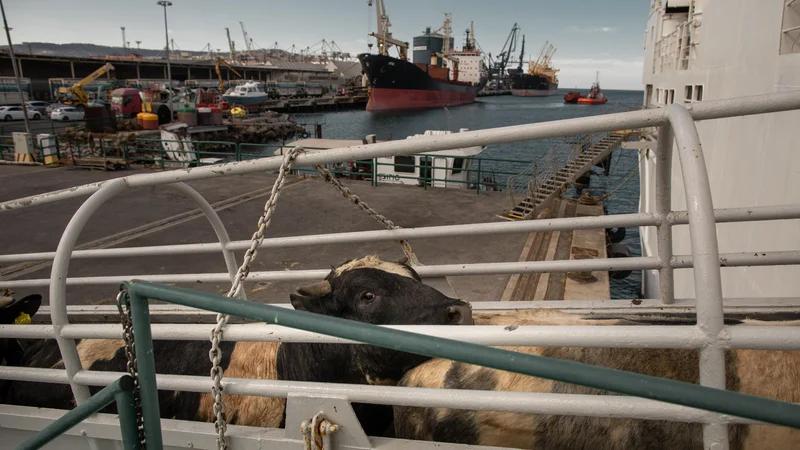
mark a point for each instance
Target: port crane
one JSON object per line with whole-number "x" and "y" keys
{"x": 231, "y": 45}
{"x": 383, "y": 35}
{"x": 219, "y": 61}
{"x": 447, "y": 31}
{"x": 498, "y": 66}
{"x": 521, "y": 55}
{"x": 78, "y": 96}
{"x": 542, "y": 64}
{"x": 248, "y": 43}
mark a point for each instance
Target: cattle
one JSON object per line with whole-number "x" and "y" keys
{"x": 772, "y": 374}
{"x": 14, "y": 311}
{"x": 367, "y": 289}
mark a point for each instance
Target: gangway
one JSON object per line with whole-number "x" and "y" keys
{"x": 578, "y": 164}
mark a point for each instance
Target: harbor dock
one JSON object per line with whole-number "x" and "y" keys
{"x": 307, "y": 205}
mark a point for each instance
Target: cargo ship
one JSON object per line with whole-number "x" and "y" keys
{"x": 437, "y": 77}
{"x": 540, "y": 80}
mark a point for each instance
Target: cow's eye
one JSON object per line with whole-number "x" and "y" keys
{"x": 367, "y": 297}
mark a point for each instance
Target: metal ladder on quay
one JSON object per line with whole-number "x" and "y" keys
{"x": 529, "y": 206}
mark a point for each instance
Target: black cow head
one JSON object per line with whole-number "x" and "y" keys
{"x": 11, "y": 350}
{"x": 382, "y": 293}
{"x": 11, "y": 309}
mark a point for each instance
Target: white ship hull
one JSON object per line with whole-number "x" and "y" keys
{"x": 728, "y": 49}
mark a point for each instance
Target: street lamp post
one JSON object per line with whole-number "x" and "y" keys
{"x": 166, "y": 3}
{"x": 16, "y": 70}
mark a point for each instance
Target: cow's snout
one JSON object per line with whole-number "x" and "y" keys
{"x": 459, "y": 314}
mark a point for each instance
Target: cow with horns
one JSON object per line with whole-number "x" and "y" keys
{"x": 367, "y": 290}
{"x": 766, "y": 373}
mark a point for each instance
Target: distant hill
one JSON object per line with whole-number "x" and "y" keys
{"x": 84, "y": 50}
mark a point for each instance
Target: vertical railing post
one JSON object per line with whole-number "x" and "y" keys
{"x": 145, "y": 360}
{"x": 480, "y": 179}
{"x": 374, "y": 171}
{"x": 663, "y": 206}
{"x": 705, "y": 254}
{"x": 126, "y": 411}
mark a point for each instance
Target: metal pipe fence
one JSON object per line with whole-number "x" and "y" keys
{"x": 675, "y": 392}
{"x": 120, "y": 392}
{"x": 710, "y": 335}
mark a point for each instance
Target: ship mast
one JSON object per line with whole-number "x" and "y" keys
{"x": 383, "y": 35}
{"x": 521, "y": 54}
{"x": 447, "y": 31}
{"x": 472, "y": 45}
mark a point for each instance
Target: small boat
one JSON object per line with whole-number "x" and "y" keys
{"x": 248, "y": 94}
{"x": 595, "y": 96}
{"x": 572, "y": 97}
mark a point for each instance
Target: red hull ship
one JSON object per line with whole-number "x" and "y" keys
{"x": 397, "y": 84}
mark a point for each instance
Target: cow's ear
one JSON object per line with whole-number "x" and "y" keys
{"x": 310, "y": 298}
{"x": 31, "y": 304}
{"x": 28, "y": 305}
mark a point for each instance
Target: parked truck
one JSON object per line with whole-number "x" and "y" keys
{"x": 161, "y": 101}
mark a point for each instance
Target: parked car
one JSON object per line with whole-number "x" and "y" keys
{"x": 38, "y": 105}
{"x": 54, "y": 106}
{"x": 15, "y": 113}
{"x": 66, "y": 114}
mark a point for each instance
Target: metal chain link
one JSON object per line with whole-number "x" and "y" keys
{"x": 215, "y": 354}
{"x": 124, "y": 307}
{"x": 347, "y": 193}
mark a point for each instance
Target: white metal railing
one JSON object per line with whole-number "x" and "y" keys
{"x": 710, "y": 335}
{"x": 675, "y": 50}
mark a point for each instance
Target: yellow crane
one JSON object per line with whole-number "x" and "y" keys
{"x": 78, "y": 95}
{"x": 219, "y": 62}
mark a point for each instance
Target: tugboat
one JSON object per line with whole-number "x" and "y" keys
{"x": 595, "y": 97}
{"x": 572, "y": 97}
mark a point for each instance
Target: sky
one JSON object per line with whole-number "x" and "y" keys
{"x": 590, "y": 35}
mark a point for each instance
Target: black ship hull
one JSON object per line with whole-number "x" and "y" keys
{"x": 396, "y": 84}
{"x": 525, "y": 85}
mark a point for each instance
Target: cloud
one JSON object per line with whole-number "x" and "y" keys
{"x": 615, "y": 73}
{"x": 592, "y": 29}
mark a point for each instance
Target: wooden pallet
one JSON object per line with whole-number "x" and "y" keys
{"x": 100, "y": 163}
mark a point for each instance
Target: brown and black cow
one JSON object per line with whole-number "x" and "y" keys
{"x": 772, "y": 374}
{"x": 368, "y": 290}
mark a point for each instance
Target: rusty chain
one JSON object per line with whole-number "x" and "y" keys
{"x": 347, "y": 193}
{"x": 215, "y": 354}
{"x": 124, "y": 307}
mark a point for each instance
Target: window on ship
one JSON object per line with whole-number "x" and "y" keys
{"x": 408, "y": 163}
